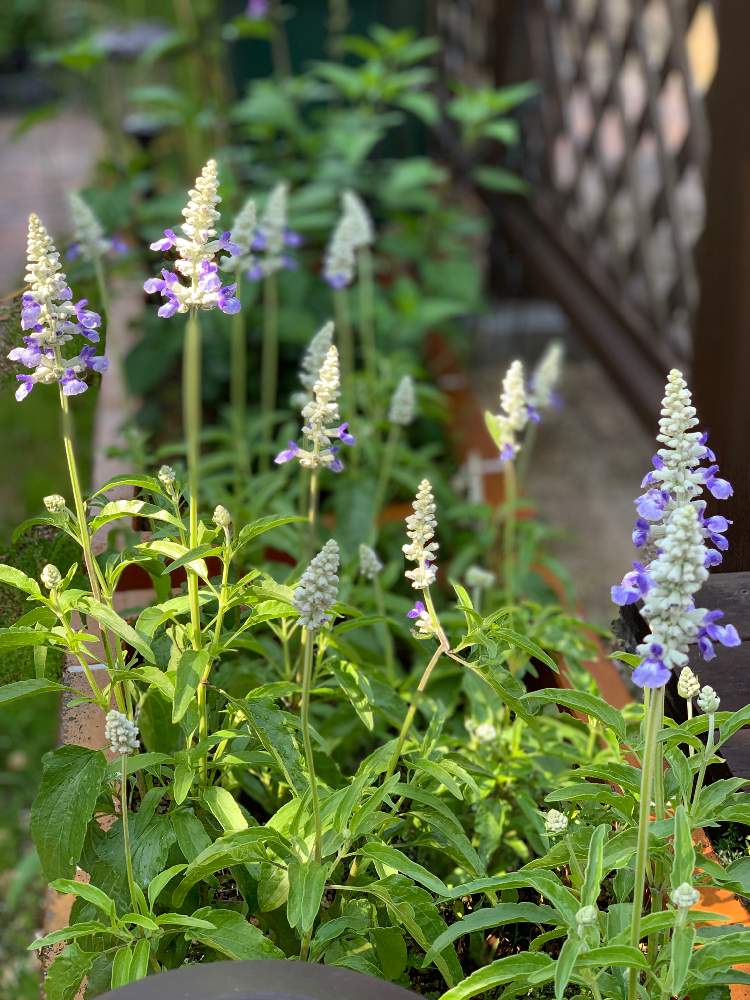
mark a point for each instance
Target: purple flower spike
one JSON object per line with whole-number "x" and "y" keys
{"x": 640, "y": 532}
{"x": 256, "y": 10}
{"x": 708, "y": 453}
{"x": 28, "y": 355}
{"x": 87, "y": 318}
{"x": 259, "y": 240}
{"x": 417, "y": 611}
{"x": 337, "y": 281}
{"x": 96, "y": 362}
{"x": 711, "y": 631}
{"x": 228, "y": 302}
{"x": 719, "y": 488}
{"x": 292, "y": 238}
{"x": 225, "y": 243}
{"x": 27, "y": 384}
{"x": 336, "y": 465}
{"x": 633, "y": 587}
{"x": 169, "y": 240}
{"x": 30, "y": 312}
{"x": 287, "y": 454}
{"x": 713, "y": 558}
{"x": 254, "y": 273}
{"x": 533, "y": 413}
{"x": 153, "y": 285}
{"x": 651, "y": 505}
{"x": 73, "y": 251}
{"x": 507, "y": 453}
{"x": 342, "y": 433}
{"x": 652, "y": 672}
{"x": 117, "y": 245}
{"x": 71, "y": 384}
{"x": 169, "y": 308}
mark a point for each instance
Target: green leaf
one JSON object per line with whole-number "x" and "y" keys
{"x": 17, "y": 637}
{"x": 233, "y": 935}
{"x": 613, "y": 954}
{"x": 546, "y": 883}
{"x": 139, "y": 963}
{"x": 393, "y": 858}
{"x": 683, "y": 862}
{"x": 15, "y": 578}
{"x": 523, "y": 642}
{"x": 115, "y": 510}
{"x": 182, "y": 920}
{"x": 583, "y": 701}
{"x": 208, "y": 549}
{"x": 71, "y": 780}
{"x": 191, "y": 835}
{"x": 529, "y": 968}
{"x": 121, "y": 966}
{"x": 66, "y": 973}
{"x": 160, "y": 882}
{"x": 264, "y": 524}
{"x": 307, "y": 882}
{"x": 150, "y": 483}
{"x": 183, "y": 782}
{"x": 189, "y": 672}
{"x": 267, "y": 723}
{"x": 565, "y": 964}
{"x": 82, "y": 929}
{"x": 497, "y": 179}
{"x": 112, "y": 621}
{"x": 174, "y": 551}
{"x": 19, "y": 690}
{"x": 683, "y": 944}
{"x": 489, "y": 917}
{"x": 356, "y": 686}
{"x": 85, "y": 890}
{"x": 594, "y": 872}
{"x": 234, "y": 848}
{"x": 225, "y": 808}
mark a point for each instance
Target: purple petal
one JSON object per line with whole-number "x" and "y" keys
{"x": 287, "y": 454}
{"x": 23, "y": 390}
{"x": 166, "y": 243}
{"x": 169, "y": 308}
{"x": 153, "y": 285}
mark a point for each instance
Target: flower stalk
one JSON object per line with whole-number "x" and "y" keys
{"x": 191, "y": 402}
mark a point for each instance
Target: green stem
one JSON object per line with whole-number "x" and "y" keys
{"x": 312, "y": 508}
{"x": 654, "y": 708}
{"x": 524, "y": 459}
{"x": 387, "y": 637}
{"x": 126, "y": 833}
{"x": 305, "y": 721}
{"x": 215, "y": 648}
{"x": 707, "y": 754}
{"x": 575, "y": 866}
{"x": 191, "y": 416}
{"x": 346, "y": 348}
{"x": 367, "y": 326}
{"x": 93, "y": 571}
{"x": 238, "y": 400}
{"x": 269, "y": 362}
{"x": 282, "y": 63}
{"x": 509, "y": 535}
{"x": 412, "y": 711}
{"x": 386, "y": 466}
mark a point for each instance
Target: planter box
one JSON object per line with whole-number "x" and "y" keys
{"x": 261, "y": 980}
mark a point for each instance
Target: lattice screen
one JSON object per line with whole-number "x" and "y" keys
{"x": 615, "y": 146}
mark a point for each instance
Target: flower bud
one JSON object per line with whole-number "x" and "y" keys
{"x": 688, "y": 685}
{"x": 708, "y": 700}
{"x": 684, "y": 896}
{"x": 54, "y": 503}
{"x": 369, "y": 563}
{"x": 403, "y": 403}
{"x": 477, "y": 577}
{"x": 555, "y": 822}
{"x": 51, "y": 576}
{"x": 222, "y": 518}
{"x": 166, "y": 476}
{"x": 485, "y": 732}
{"x": 318, "y": 587}
{"x": 587, "y": 916}
{"x": 121, "y": 733}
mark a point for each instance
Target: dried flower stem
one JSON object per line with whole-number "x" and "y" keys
{"x": 191, "y": 403}
{"x": 269, "y": 361}
{"x": 238, "y": 399}
{"x": 654, "y": 715}
{"x": 307, "y": 671}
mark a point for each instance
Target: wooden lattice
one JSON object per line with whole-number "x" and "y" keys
{"x": 615, "y": 146}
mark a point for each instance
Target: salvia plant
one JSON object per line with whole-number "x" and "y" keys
{"x": 329, "y": 752}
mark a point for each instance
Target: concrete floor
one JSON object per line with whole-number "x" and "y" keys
{"x": 588, "y": 463}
